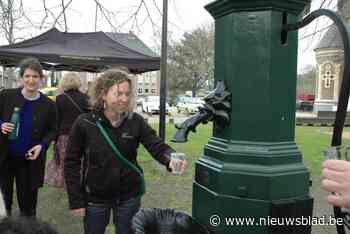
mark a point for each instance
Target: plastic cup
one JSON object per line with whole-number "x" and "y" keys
{"x": 337, "y": 153}
{"x": 178, "y": 158}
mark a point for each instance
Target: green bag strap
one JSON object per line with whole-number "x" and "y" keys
{"x": 122, "y": 159}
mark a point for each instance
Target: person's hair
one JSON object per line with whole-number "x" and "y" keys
{"x": 31, "y": 63}
{"x": 104, "y": 82}
{"x": 121, "y": 68}
{"x": 69, "y": 81}
{"x": 25, "y": 225}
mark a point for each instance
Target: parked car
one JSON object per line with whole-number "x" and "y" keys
{"x": 139, "y": 101}
{"x": 189, "y": 104}
{"x": 306, "y": 97}
{"x": 151, "y": 105}
{"x": 305, "y": 102}
{"x": 51, "y": 92}
{"x": 304, "y": 105}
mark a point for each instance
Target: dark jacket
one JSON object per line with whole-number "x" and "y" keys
{"x": 104, "y": 177}
{"x": 67, "y": 112}
{"x": 44, "y": 127}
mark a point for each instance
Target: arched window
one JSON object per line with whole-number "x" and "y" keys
{"x": 328, "y": 76}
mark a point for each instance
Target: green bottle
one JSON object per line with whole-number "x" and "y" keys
{"x": 15, "y": 119}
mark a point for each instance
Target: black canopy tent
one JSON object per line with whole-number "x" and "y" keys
{"x": 91, "y": 52}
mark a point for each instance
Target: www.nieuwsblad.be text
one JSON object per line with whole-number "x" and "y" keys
{"x": 216, "y": 220}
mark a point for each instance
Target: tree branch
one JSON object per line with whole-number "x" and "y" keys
{"x": 64, "y": 16}
{"x": 64, "y": 7}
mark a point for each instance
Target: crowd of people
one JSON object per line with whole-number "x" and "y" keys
{"x": 95, "y": 137}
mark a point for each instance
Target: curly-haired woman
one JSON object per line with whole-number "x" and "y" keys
{"x": 108, "y": 180}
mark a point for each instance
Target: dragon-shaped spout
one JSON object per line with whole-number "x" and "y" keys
{"x": 216, "y": 108}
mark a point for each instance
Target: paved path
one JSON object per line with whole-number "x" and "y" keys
{"x": 321, "y": 208}
{"x": 305, "y": 114}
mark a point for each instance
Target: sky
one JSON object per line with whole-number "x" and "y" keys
{"x": 308, "y": 39}
{"x": 184, "y": 16}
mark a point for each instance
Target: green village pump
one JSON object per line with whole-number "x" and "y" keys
{"x": 251, "y": 169}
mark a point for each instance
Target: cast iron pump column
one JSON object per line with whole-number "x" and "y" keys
{"x": 252, "y": 167}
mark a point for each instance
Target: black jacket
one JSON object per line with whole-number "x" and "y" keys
{"x": 67, "y": 111}
{"x": 104, "y": 178}
{"x": 44, "y": 127}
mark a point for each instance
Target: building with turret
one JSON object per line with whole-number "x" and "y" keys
{"x": 329, "y": 70}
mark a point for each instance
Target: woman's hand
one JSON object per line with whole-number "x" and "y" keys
{"x": 34, "y": 152}
{"x": 7, "y": 127}
{"x": 336, "y": 179}
{"x": 78, "y": 212}
{"x": 178, "y": 166}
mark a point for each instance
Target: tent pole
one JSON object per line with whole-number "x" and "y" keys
{"x": 2, "y": 77}
{"x": 163, "y": 71}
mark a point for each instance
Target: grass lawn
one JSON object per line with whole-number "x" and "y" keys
{"x": 312, "y": 141}
{"x": 166, "y": 190}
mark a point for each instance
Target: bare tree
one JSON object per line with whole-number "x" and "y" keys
{"x": 13, "y": 16}
{"x": 191, "y": 61}
{"x": 306, "y": 81}
{"x": 129, "y": 18}
{"x": 10, "y": 16}
{"x": 16, "y": 24}
{"x": 313, "y": 32}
